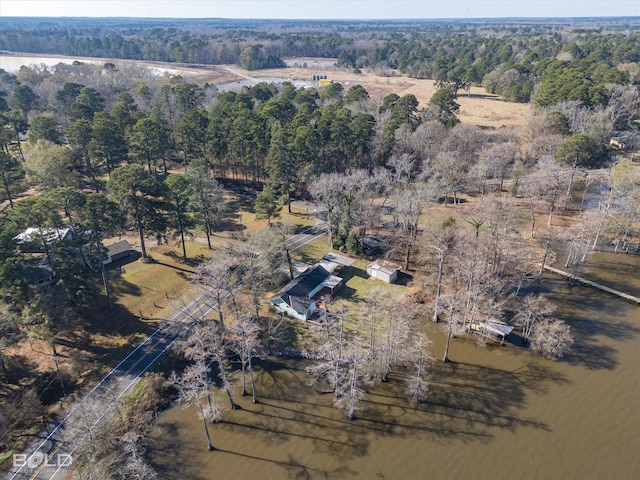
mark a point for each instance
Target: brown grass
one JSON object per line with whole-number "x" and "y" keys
{"x": 478, "y": 108}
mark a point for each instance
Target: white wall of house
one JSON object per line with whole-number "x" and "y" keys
{"x": 283, "y": 307}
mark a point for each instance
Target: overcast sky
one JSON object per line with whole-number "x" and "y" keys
{"x": 321, "y": 9}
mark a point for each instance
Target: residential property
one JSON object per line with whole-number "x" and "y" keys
{"x": 372, "y": 245}
{"x": 117, "y": 251}
{"x": 383, "y": 270}
{"x": 339, "y": 259}
{"x": 40, "y": 275}
{"x": 298, "y": 298}
{"x": 32, "y": 240}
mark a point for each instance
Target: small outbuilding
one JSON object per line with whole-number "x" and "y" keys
{"x": 339, "y": 259}
{"x": 491, "y": 327}
{"x": 372, "y": 245}
{"x": 40, "y": 275}
{"x": 117, "y": 251}
{"x": 383, "y": 270}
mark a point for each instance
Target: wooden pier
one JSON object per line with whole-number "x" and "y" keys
{"x": 620, "y": 294}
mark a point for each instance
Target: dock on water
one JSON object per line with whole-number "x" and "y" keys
{"x": 620, "y": 294}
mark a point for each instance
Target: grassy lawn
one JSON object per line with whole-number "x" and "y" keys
{"x": 143, "y": 295}
{"x": 313, "y": 251}
{"x": 357, "y": 286}
{"x": 239, "y": 216}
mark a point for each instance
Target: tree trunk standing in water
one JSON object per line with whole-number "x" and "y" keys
{"x": 351, "y": 385}
{"x": 441, "y": 241}
{"x": 206, "y": 427}
{"x": 547, "y": 246}
{"x": 224, "y": 371}
{"x": 417, "y": 379}
{"x": 191, "y": 385}
{"x": 234, "y": 405}
{"x": 339, "y": 353}
{"x": 254, "y": 395}
{"x": 452, "y": 299}
{"x": 372, "y": 341}
{"x": 481, "y": 218}
{"x": 552, "y": 338}
{"x": 355, "y": 393}
{"x": 445, "y": 357}
{"x": 534, "y": 309}
{"x": 243, "y": 362}
{"x": 245, "y": 342}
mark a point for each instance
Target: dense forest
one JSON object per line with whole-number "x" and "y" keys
{"x": 103, "y": 149}
{"x": 508, "y": 57}
{"x": 121, "y": 129}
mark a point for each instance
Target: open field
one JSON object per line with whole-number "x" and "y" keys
{"x": 478, "y": 108}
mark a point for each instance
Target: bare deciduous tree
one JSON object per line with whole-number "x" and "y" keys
{"x": 533, "y": 310}
{"x": 409, "y": 205}
{"x": 552, "y": 338}
{"x": 191, "y": 385}
{"x": 217, "y": 279}
{"x": 245, "y": 338}
{"x": 419, "y": 370}
{"x": 350, "y": 387}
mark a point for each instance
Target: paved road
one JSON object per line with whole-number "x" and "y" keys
{"x": 50, "y": 456}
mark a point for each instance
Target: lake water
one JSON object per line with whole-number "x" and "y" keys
{"x": 493, "y": 413}
{"x": 12, "y": 63}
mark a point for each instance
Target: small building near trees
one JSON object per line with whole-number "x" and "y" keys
{"x": 372, "y": 245}
{"x": 117, "y": 251}
{"x": 39, "y": 275}
{"x": 383, "y": 270}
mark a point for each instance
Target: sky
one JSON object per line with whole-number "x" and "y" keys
{"x": 319, "y": 9}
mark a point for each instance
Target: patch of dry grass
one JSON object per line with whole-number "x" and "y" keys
{"x": 476, "y": 108}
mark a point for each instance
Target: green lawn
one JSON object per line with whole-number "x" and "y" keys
{"x": 357, "y": 286}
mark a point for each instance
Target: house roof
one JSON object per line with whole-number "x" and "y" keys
{"x": 38, "y": 274}
{"x": 117, "y": 247}
{"x": 494, "y": 327}
{"x": 372, "y": 241}
{"x": 329, "y": 266}
{"x": 51, "y": 235}
{"x": 299, "y": 304}
{"x": 342, "y": 260}
{"x": 296, "y": 291}
{"x": 302, "y": 285}
{"x": 383, "y": 266}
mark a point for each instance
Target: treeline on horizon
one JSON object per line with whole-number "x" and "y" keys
{"x": 509, "y": 57}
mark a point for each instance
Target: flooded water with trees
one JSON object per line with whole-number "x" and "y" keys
{"x": 495, "y": 412}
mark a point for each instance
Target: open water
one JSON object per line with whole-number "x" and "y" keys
{"x": 499, "y": 412}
